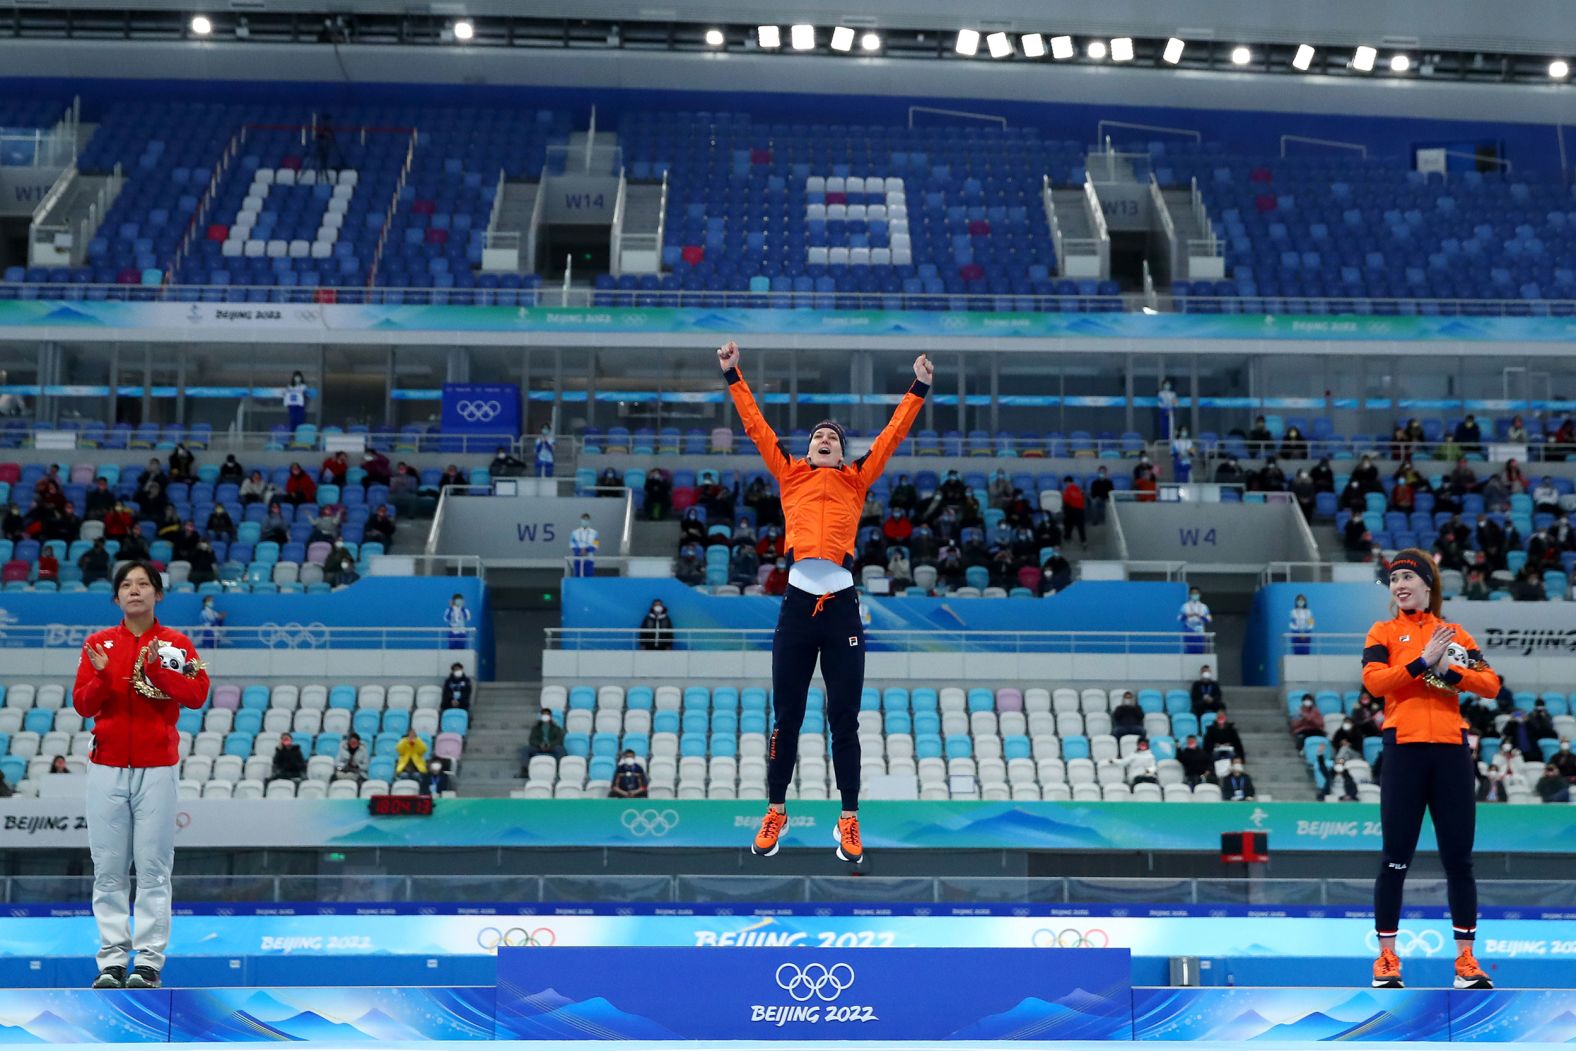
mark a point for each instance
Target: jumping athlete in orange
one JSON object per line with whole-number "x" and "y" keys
{"x": 822, "y": 496}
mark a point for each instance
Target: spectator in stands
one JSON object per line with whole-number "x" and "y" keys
{"x": 1543, "y": 551}
{"x": 211, "y": 621}
{"x": 1237, "y": 786}
{"x": 48, "y": 566}
{"x": 325, "y": 525}
{"x": 1540, "y": 725}
{"x": 1479, "y": 715}
{"x": 1477, "y": 589}
{"x": 1300, "y": 626}
{"x": 95, "y": 562}
{"x": 1229, "y": 471}
{"x": 691, "y": 565}
{"x": 380, "y": 527}
{"x": 154, "y": 473}
{"x": 404, "y": 488}
{"x": 185, "y": 542}
{"x": 14, "y": 525}
{"x": 457, "y": 688}
{"x": 505, "y": 464}
{"x": 629, "y": 778}
{"x": 659, "y": 495}
{"x": 1272, "y": 479}
{"x": 1337, "y": 781}
{"x": 336, "y": 468}
{"x": 273, "y": 526}
{"x": 299, "y": 487}
{"x": 692, "y": 528}
{"x": 1025, "y": 547}
{"x": 547, "y": 738}
{"x": 716, "y": 498}
{"x": 1469, "y": 436}
{"x": 50, "y": 482}
{"x": 58, "y": 765}
{"x": 1127, "y": 718}
{"x": 1491, "y": 542}
{"x": 1347, "y": 741}
{"x": 1293, "y": 445}
{"x": 1551, "y": 787}
{"x": 1463, "y": 480}
{"x": 256, "y": 490}
{"x": 776, "y": 580}
{"x": 294, "y": 399}
{"x": 1303, "y": 491}
{"x": 583, "y": 545}
{"x": 1565, "y": 761}
{"x": 100, "y": 500}
{"x": 743, "y": 533}
{"x": 170, "y": 525}
{"x": 457, "y": 619}
{"x": 1364, "y": 720}
{"x": 1490, "y": 783}
{"x": 1308, "y": 723}
{"x": 67, "y": 526}
{"x": 37, "y": 522}
{"x": 220, "y": 526}
{"x": 289, "y": 763}
{"x": 1366, "y": 476}
{"x": 352, "y": 760}
{"x": 1073, "y": 511}
{"x": 609, "y": 482}
{"x": 656, "y": 629}
{"x": 133, "y": 548}
{"x": 1056, "y": 574}
{"x": 1221, "y": 740}
{"x": 1323, "y": 476}
{"x": 769, "y": 546}
{"x": 1515, "y": 481}
{"x": 903, "y": 496}
{"x": 897, "y": 528}
{"x": 1196, "y": 764}
{"x": 948, "y": 526}
{"x": 1259, "y": 438}
{"x": 1353, "y": 500}
{"x": 1528, "y": 585}
{"x": 1517, "y": 431}
{"x": 1403, "y": 497}
{"x": 899, "y": 568}
{"x": 999, "y": 490}
{"x": 410, "y": 755}
{"x": 1100, "y": 491}
{"x": 543, "y": 449}
{"x": 1561, "y": 534}
{"x": 375, "y": 467}
{"x": 922, "y": 548}
{"x": 435, "y": 780}
{"x": 872, "y": 511}
{"x": 950, "y": 568}
{"x": 231, "y": 472}
{"x": 1196, "y": 620}
{"x": 1517, "y": 732}
{"x": 183, "y": 465}
{"x": 340, "y": 568}
{"x": 1545, "y": 498}
{"x": 1141, "y": 766}
{"x": 151, "y": 502}
{"x": 1205, "y": 693}
{"x": 1165, "y": 411}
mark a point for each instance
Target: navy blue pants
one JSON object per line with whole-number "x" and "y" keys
{"x": 810, "y": 627}
{"x": 1441, "y": 779}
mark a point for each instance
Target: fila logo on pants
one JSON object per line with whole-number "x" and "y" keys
{"x": 853, "y": 640}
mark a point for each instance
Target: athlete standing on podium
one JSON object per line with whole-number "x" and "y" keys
{"x": 823, "y": 494}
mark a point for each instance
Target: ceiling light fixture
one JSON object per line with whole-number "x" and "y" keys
{"x": 201, "y": 26}
{"x": 1304, "y": 57}
{"x": 1173, "y": 51}
{"x": 802, "y": 37}
{"x": 1096, "y": 49}
{"x": 1033, "y": 45}
{"x": 1559, "y": 69}
{"x": 1122, "y": 49}
{"x": 870, "y": 42}
{"x": 769, "y": 36}
{"x": 1241, "y": 56}
{"x": 1363, "y": 59}
{"x": 1000, "y": 45}
{"x": 968, "y": 42}
{"x": 714, "y": 38}
{"x": 842, "y": 39}
{"x": 464, "y": 30}
{"x": 1062, "y": 47}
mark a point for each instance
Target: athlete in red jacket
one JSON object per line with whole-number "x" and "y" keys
{"x": 132, "y": 681}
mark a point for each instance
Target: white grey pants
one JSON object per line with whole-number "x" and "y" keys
{"x": 131, "y": 819}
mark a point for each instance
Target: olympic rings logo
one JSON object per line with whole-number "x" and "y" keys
{"x": 654, "y": 823}
{"x": 1045, "y": 938}
{"x": 479, "y": 411}
{"x": 293, "y": 636}
{"x": 815, "y": 981}
{"x": 492, "y": 939}
{"x": 1411, "y": 943}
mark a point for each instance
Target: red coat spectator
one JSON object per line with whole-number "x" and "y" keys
{"x": 335, "y": 468}
{"x": 897, "y": 528}
{"x": 776, "y": 580}
{"x": 119, "y": 522}
{"x": 299, "y": 487}
{"x": 1146, "y": 488}
{"x": 48, "y": 565}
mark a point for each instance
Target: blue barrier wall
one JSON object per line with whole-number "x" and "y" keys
{"x": 1338, "y": 609}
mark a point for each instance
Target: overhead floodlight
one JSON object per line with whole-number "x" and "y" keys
{"x": 201, "y": 26}
{"x": 968, "y": 42}
{"x": 1062, "y": 47}
{"x": 803, "y": 37}
{"x": 1033, "y": 45}
{"x": 464, "y": 30}
{"x": 769, "y": 36}
{"x": 842, "y": 39}
{"x": 1000, "y": 45}
{"x": 870, "y": 42}
{"x": 1400, "y": 64}
{"x": 1363, "y": 59}
{"x": 1122, "y": 49}
{"x": 1304, "y": 57}
{"x": 1173, "y": 51}
{"x": 1559, "y": 69}
{"x": 1096, "y": 49}
{"x": 714, "y": 38}
{"x": 1241, "y": 56}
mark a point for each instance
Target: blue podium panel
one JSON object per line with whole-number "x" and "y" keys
{"x": 339, "y": 1015}
{"x": 1239, "y": 1014}
{"x": 1513, "y": 1016}
{"x": 813, "y": 994}
{"x": 82, "y": 1016}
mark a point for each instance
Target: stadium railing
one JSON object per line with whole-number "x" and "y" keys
{"x": 929, "y": 641}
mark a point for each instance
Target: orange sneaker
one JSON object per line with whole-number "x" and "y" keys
{"x": 847, "y": 837}
{"x": 772, "y": 826}
{"x": 1468, "y": 974}
{"x": 1387, "y": 971}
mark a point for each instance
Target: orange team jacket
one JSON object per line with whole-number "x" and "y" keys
{"x": 1393, "y": 668}
{"x": 822, "y": 505}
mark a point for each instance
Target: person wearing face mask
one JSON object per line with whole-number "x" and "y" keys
{"x": 1196, "y": 620}
{"x": 1165, "y": 411}
{"x": 583, "y": 544}
{"x": 1182, "y": 452}
{"x": 1551, "y": 787}
{"x": 1300, "y": 626}
{"x": 629, "y": 779}
{"x": 294, "y": 399}
{"x": 1338, "y": 781}
{"x": 823, "y": 494}
{"x": 1237, "y": 786}
{"x": 1421, "y": 665}
{"x": 1565, "y": 761}
{"x": 458, "y": 620}
{"x": 656, "y": 630}
{"x": 457, "y": 688}
{"x": 543, "y": 449}
{"x": 547, "y": 738}
{"x": 1205, "y": 693}
{"x": 1223, "y": 743}
{"x": 777, "y": 579}
{"x": 1347, "y": 741}
{"x": 1308, "y": 723}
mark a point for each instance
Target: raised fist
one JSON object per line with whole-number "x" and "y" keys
{"x": 728, "y": 355}
{"x": 924, "y": 371}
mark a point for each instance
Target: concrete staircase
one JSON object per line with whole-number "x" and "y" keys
{"x": 516, "y": 208}
{"x": 1274, "y": 763}
{"x": 502, "y": 715}
{"x": 1072, "y": 211}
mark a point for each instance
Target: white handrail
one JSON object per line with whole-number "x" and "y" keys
{"x": 994, "y": 119}
{"x": 1209, "y": 244}
{"x": 662, "y": 218}
{"x": 492, "y": 219}
{"x": 569, "y": 269}
{"x": 388, "y": 215}
{"x": 1157, "y": 200}
{"x": 1055, "y": 223}
{"x": 1099, "y": 134}
{"x": 615, "y": 263}
{"x": 590, "y": 139}
{"x": 529, "y": 263}
{"x": 1097, "y": 220}
{"x": 1334, "y": 144}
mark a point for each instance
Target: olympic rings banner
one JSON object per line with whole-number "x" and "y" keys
{"x": 711, "y": 824}
{"x": 814, "y": 994}
{"x": 481, "y": 408}
{"x": 310, "y": 322}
